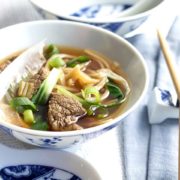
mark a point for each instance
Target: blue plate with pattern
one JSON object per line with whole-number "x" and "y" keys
{"x": 43, "y": 164}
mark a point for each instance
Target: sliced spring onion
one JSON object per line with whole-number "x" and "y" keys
{"x": 56, "y": 61}
{"x": 78, "y": 60}
{"x": 25, "y": 89}
{"x": 40, "y": 124}
{"x": 22, "y": 103}
{"x": 91, "y": 95}
{"x": 51, "y": 50}
{"x": 98, "y": 111}
{"x": 102, "y": 113}
{"x": 114, "y": 90}
{"x": 91, "y": 110}
{"x": 28, "y": 116}
{"x": 65, "y": 92}
{"x": 100, "y": 116}
{"x": 41, "y": 97}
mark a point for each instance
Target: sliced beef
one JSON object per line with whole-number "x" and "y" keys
{"x": 64, "y": 112}
{"x": 29, "y": 88}
{"x": 38, "y": 78}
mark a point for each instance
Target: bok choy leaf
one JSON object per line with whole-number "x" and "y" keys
{"x": 40, "y": 124}
{"x": 22, "y": 103}
{"x": 115, "y": 91}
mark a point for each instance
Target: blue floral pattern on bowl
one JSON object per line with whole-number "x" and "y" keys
{"x": 7, "y": 130}
{"x": 29, "y": 172}
{"x": 109, "y": 26}
{"x": 101, "y": 10}
{"x": 56, "y": 141}
{"x": 92, "y": 12}
{"x": 109, "y": 10}
{"x": 166, "y": 97}
{"x": 48, "y": 142}
{"x": 120, "y": 27}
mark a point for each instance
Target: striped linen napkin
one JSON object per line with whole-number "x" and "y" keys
{"x": 151, "y": 151}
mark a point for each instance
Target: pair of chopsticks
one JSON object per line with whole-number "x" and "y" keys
{"x": 175, "y": 78}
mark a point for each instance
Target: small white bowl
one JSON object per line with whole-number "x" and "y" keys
{"x": 102, "y": 14}
{"x": 44, "y": 164}
{"x": 78, "y": 35}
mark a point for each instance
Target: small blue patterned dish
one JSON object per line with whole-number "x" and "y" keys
{"x": 118, "y": 16}
{"x": 44, "y": 164}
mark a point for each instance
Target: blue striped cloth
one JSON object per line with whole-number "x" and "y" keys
{"x": 151, "y": 151}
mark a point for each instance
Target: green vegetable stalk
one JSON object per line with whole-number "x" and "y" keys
{"x": 65, "y": 92}
{"x": 41, "y": 97}
{"x": 91, "y": 95}
{"x": 78, "y": 60}
{"x": 28, "y": 116}
{"x": 22, "y": 103}
{"x": 56, "y": 61}
{"x": 51, "y": 50}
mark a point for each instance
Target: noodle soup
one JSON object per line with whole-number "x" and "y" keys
{"x": 72, "y": 90}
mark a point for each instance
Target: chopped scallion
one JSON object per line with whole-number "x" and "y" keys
{"x": 91, "y": 95}
{"x": 51, "y": 50}
{"x": 56, "y": 61}
{"x": 78, "y": 60}
{"x": 28, "y": 116}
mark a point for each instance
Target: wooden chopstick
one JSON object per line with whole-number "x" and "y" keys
{"x": 175, "y": 78}
{"x": 170, "y": 63}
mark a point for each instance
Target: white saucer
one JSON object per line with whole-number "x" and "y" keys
{"x": 44, "y": 164}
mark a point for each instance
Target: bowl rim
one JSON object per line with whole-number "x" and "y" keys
{"x": 91, "y": 129}
{"x": 98, "y": 21}
{"x": 58, "y": 160}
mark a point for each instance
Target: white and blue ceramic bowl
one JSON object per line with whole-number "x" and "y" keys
{"x": 103, "y": 13}
{"x": 44, "y": 164}
{"x": 79, "y": 35}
